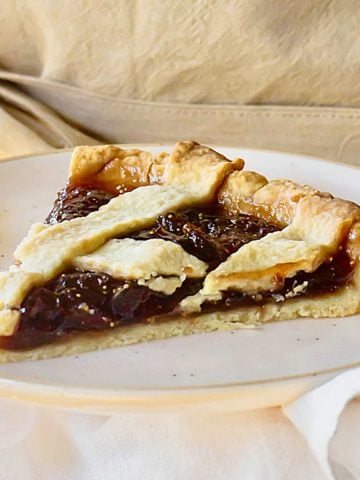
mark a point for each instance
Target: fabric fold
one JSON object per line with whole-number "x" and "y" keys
{"x": 328, "y": 132}
{"x": 317, "y": 413}
{"x": 29, "y": 126}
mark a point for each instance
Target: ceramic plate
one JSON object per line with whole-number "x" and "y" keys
{"x": 217, "y": 371}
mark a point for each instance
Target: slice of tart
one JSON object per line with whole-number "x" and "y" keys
{"x": 141, "y": 246}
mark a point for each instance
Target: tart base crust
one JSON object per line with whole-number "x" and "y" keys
{"x": 337, "y": 304}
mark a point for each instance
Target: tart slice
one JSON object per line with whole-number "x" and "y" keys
{"x": 141, "y": 246}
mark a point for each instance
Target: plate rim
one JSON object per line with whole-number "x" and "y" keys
{"x": 98, "y": 400}
{"x": 13, "y": 388}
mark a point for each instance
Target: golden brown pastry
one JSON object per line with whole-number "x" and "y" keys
{"x": 141, "y": 246}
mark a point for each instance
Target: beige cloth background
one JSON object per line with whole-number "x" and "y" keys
{"x": 281, "y": 75}
{"x": 252, "y": 73}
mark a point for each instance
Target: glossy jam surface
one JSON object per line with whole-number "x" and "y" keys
{"x": 83, "y": 301}
{"x": 210, "y": 236}
{"x": 73, "y": 202}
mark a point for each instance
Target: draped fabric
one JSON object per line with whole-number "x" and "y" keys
{"x": 251, "y": 73}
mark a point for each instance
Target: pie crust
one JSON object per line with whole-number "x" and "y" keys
{"x": 313, "y": 228}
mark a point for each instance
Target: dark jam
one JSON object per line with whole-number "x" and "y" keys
{"x": 73, "y": 202}
{"x": 84, "y": 301}
{"x": 210, "y": 236}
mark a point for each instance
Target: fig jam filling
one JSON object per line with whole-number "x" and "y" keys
{"x": 77, "y": 201}
{"x": 84, "y": 301}
{"x": 208, "y": 234}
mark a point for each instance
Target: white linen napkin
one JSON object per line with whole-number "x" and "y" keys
{"x": 272, "y": 444}
{"x": 317, "y": 413}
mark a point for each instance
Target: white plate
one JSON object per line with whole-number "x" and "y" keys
{"x": 215, "y": 371}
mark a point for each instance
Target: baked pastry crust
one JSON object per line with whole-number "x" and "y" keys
{"x": 315, "y": 226}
